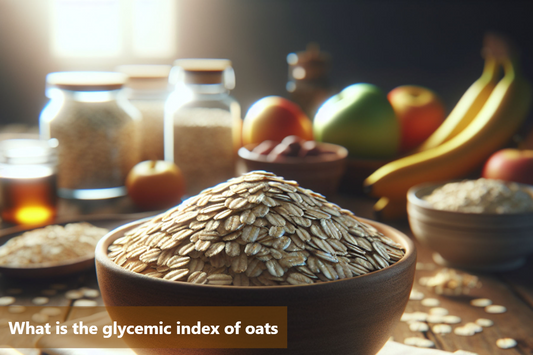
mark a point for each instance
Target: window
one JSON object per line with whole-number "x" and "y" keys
{"x": 112, "y": 28}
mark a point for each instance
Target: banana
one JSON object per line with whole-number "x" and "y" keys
{"x": 502, "y": 114}
{"x": 467, "y": 107}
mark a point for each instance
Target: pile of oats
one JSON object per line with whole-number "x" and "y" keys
{"x": 51, "y": 245}
{"x": 482, "y": 196}
{"x": 257, "y": 229}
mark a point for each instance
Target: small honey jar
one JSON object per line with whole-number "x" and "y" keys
{"x": 28, "y": 181}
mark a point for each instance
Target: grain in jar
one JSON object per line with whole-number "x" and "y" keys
{"x": 147, "y": 90}
{"x": 97, "y": 130}
{"x": 202, "y": 122}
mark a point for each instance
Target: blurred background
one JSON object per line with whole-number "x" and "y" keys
{"x": 388, "y": 43}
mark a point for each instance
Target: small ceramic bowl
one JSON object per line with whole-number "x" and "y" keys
{"x": 319, "y": 173}
{"x": 349, "y": 316}
{"x": 477, "y": 241}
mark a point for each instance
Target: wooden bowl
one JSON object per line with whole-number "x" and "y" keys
{"x": 350, "y": 316}
{"x": 319, "y": 173}
{"x": 478, "y": 241}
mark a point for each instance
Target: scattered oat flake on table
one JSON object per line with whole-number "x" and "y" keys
{"x": 442, "y": 329}
{"x": 464, "y": 352}
{"x": 91, "y": 293}
{"x": 451, "y": 282}
{"x": 419, "y": 316}
{"x": 481, "y": 302}
{"x": 16, "y": 309}
{"x": 418, "y": 327}
{"x": 495, "y": 308}
{"x": 435, "y": 318}
{"x": 451, "y": 319}
{"x": 439, "y": 311}
{"x": 430, "y": 302}
{"x": 416, "y": 295}
{"x": 85, "y": 303}
{"x": 6, "y": 300}
{"x": 73, "y": 294}
{"x": 420, "y": 342}
{"x": 475, "y": 327}
{"x": 51, "y": 311}
{"x": 484, "y": 322}
{"x": 40, "y": 300}
{"x": 39, "y": 318}
{"x": 463, "y": 331}
{"x": 406, "y": 317}
{"x": 506, "y": 343}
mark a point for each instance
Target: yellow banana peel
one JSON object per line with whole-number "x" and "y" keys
{"x": 467, "y": 107}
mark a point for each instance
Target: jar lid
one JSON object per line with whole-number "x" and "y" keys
{"x": 145, "y": 76}
{"x": 87, "y": 80}
{"x": 203, "y": 71}
{"x": 28, "y": 151}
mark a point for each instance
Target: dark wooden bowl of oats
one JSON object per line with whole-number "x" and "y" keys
{"x": 345, "y": 301}
{"x": 474, "y": 224}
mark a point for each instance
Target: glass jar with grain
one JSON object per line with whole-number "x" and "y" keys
{"x": 97, "y": 130}
{"x": 147, "y": 89}
{"x": 202, "y": 122}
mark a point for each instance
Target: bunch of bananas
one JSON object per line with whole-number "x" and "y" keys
{"x": 483, "y": 121}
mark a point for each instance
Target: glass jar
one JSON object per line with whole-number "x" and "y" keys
{"x": 97, "y": 130}
{"x": 28, "y": 184}
{"x": 202, "y": 122}
{"x": 147, "y": 89}
{"x": 308, "y": 84}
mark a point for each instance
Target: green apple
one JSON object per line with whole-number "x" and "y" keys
{"x": 361, "y": 119}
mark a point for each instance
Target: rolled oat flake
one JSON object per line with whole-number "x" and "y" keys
{"x": 430, "y": 302}
{"x": 418, "y": 327}
{"x": 495, "y": 309}
{"x": 451, "y": 319}
{"x": 484, "y": 322}
{"x": 6, "y": 300}
{"x": 442, "y": 329}
{"x": 506, "y": 343}
{"x": 481, "y": 302}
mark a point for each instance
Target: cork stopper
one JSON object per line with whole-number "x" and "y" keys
{"x": 86, "y": 80}
{"x": 203, "y": 71}
{"x": 146, "y": 76}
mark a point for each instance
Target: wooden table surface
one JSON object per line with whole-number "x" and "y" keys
{"x": 513, "y": 289}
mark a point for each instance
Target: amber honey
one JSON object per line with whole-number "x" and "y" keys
{"x": 28, "y": 183}
{"x": 28, "y": 201}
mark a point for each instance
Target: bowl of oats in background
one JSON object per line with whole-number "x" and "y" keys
{"x": 475, "y": 224}
{"x": 266, "y": 248}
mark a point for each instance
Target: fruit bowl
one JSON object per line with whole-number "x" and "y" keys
{"x": 477, "y": 241}
{"x": 320, "y": 173}
{"x": 349, "y": 316}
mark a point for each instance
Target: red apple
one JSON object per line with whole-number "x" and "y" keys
{"x": 510, "y": 165}
{"x": 420, "y": 112}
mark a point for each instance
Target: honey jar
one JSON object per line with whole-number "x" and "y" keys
{"x": 28, "y": 183}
